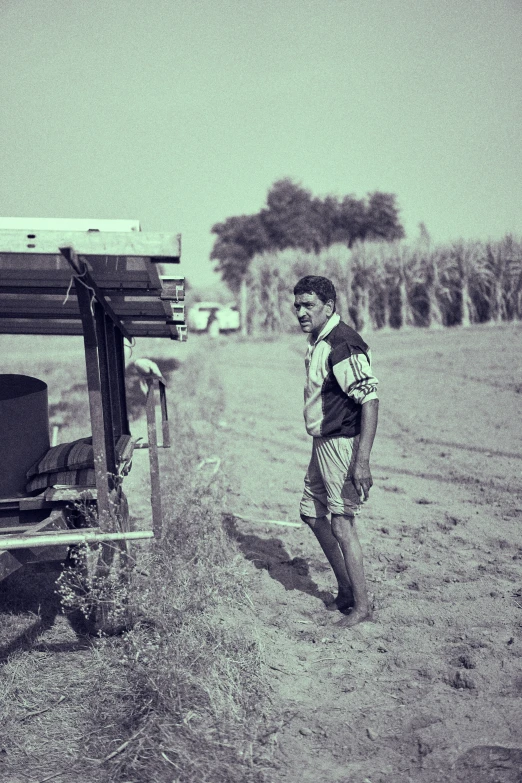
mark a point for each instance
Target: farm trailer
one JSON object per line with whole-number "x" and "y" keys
{"x": 109, "y": 282}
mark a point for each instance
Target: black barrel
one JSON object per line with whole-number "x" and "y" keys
{"x": 24, "y": 430}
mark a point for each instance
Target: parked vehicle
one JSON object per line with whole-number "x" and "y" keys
{"x": 227, "y": 316}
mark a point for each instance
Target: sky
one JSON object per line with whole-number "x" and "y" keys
{"x": 181, "y": 113}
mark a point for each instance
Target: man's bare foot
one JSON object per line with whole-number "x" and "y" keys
{"x": 343, "y": 601}
{"x": 355, "y": 617}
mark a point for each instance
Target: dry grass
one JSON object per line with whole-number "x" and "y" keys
{"x": 181, "y": 697}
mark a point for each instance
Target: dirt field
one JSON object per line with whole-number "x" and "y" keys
{"x": 431, "y": 690}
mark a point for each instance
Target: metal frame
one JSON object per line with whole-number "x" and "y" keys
{"x": 112, "y": 299}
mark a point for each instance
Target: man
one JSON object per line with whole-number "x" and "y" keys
{"x": 340, "y": 411}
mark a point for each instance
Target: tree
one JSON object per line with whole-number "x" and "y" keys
{"x": 351, "y": 221}
{"x": 382, "y": 218}
{"x": 291, "y": 218}
{"x": 239, "y": 239}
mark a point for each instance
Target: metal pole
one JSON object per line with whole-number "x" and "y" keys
{"x": 164, "y": 415}
{"x": 119, "y": 367}
{"x": 243, "y": 307}
{"x": 68, "y": 539}
{"x": 155, "y": 487}
{"x": 107, "y": 393}
{"x": 95, "y": 404}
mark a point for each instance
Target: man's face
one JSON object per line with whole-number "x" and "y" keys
{"x": 312, "y": 313}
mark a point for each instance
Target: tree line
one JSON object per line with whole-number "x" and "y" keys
{"x": 294, "y": 218}
{"x": 381, "y": 281}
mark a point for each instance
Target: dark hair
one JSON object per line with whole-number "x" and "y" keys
{"x": 313, "y": 284}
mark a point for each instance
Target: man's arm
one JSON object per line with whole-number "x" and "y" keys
{"x": 362, "y": 477}
{"x": 355, "y": 377}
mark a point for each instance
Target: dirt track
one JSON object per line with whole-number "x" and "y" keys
{"x": 422, "y": 692}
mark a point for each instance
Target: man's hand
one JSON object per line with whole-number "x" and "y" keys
{"x": 362, "y": 478}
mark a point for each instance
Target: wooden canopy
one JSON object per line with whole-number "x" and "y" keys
{"x": 105, "y": 280}
{"x": 129, "y": 272}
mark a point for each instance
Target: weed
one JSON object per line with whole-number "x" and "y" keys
{"x": 186, "y": 682}
{"x": 182, "y": 695}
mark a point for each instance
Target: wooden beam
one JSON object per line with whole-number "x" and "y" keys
{"x": 35, "y": 503}
{"x": 32, "y": 307}
{"x": 34, "y": 326}
{"x": 95, "y": 405}
{"x": 72, "y": 492}
{"x": 164, "y": 247}
{"x": 72, "y": 327}
{"x": 116, "y": 361}
{"x": 66, "y": 224}
{"x": 84, "y": 278}
{"x": 110, "y": 426}
{"x": 130, "y": 282}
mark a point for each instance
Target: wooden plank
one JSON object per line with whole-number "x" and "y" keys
{"x": 42, "y": 308}
{"x": 52, "y": 327}
{"x": 67, "y": 224}
{"x": 174, "y": 331}
{"x": 56, "y": 281}
{"x": 114, "y": 287}
{"x": 34, "y": 326}
{"x": 166, "y": 247}
{"x": 23, "y": 504}
{"x": 34, "y": 504}
{"x": 71, "y": 493}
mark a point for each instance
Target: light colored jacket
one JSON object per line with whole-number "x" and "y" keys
{"x": 339, "y": 380}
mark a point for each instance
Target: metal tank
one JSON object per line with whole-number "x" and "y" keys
{"x": 24, "y": 430}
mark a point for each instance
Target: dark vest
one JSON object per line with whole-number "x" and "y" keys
{"x": 342, "y": 415}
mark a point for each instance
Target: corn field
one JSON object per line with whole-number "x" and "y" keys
{"x": 394, "y": 285}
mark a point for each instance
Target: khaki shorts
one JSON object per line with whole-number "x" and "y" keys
{"x": 328, "y": 486}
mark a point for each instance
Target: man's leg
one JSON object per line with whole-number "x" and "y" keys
{"x": 330, "y": 546}
{"x": 343, "y": 529}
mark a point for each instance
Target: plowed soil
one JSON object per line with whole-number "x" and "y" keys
{"x": 431, "y": 690}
